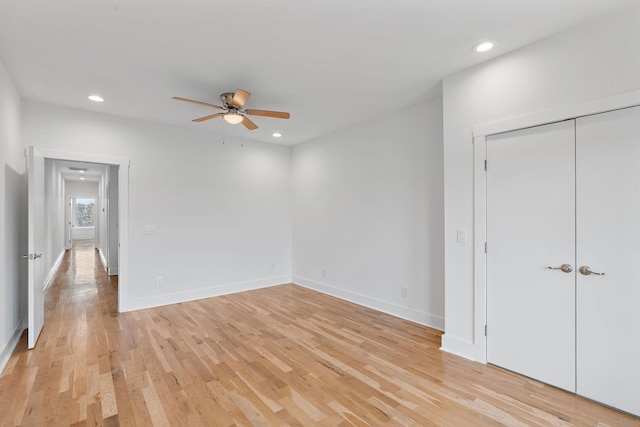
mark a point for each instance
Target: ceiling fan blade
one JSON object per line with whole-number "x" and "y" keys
{"x": 240, "y": 98}
{"x": 177, "y": 98}
{"x": 248, "y": 123}
{"x": 265, "y": 113}
{"x": 212, "y": 116}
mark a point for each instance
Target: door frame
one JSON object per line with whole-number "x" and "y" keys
{"x": 123, "y": 210}
{"x": 478, "y": 348}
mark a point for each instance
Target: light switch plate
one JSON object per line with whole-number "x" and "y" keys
{"x": 462, "y": 235}
{"x": 150, "y": 229}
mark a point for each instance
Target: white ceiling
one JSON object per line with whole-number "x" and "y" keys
{"x": 331, "y": 63}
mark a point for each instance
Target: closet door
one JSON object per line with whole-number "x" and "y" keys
{"x": 608, "y": 225}
{"x": 530, "y": 227}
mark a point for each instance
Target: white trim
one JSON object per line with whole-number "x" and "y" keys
{"x": 477, "y": 350}
{"x": 479, "y": 240}
{"x": 123, "y": 237}
{"x": 615, "y": 102}
{"x": 407, "y": 313}
{"x": 206, "y": 292}
{"x": 53, "y": 270}
{"x": 458, "y": 347}
{"x": 83, "y": 157}
{"x": 123, "y": 209}
{"x": 8, "y": 350}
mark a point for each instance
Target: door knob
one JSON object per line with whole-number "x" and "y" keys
{"x": 585, "y": 270}
{"x": 566, "y": 268}
{"x": 36, "y": 256}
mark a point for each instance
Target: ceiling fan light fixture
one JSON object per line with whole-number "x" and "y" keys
{"x": 233, "y": 118}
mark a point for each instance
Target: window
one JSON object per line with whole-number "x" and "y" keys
{"x": 85, "y": 212}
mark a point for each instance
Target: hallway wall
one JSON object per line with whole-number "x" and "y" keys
{"x": 55, "y": 215}
{"x": 13, "y": 211}
{"x": 112, "y": 218}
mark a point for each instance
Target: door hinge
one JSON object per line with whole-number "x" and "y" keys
{"x": 485, "y": 330}
{"x": 485, "y": 247}
{"x": 485, "y": 165}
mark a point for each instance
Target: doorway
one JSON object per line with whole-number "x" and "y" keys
{"x": 82, "y": 221}
{"x": 113, "y": 212}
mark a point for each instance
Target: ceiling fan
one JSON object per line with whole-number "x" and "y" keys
{"x": 233, "y": 110}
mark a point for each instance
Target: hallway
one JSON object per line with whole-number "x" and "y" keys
{"x": 52, "y": 384}
{"x": 283, "y": 355}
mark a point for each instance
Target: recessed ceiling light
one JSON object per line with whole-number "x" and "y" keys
{"x": 483, "y": 47}
{"x": 81, "y": 171}
{"x": 82, "y": 178}
{"x": 96, "y": 98}
{"x": 276, "y": 135}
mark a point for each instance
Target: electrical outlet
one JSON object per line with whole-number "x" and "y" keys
{"x": 324, "y": 272}
{"x": 159, "y": 281}
{"x": 404, "y": 292}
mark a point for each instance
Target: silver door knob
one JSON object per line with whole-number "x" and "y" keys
{"x": 585, "y": 270}
{"x": 566, "y": 268}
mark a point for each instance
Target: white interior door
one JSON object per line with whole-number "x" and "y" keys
{"x": 69, "y": 217}
{"x": 530, "y": 227}
{"x": 35, "y": 177}
{"x": 608, "y": 224}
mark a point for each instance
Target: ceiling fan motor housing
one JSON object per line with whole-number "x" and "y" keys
{"x": 226, "y": 99}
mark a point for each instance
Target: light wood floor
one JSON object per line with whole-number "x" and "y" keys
{"x": 278, "y": 356}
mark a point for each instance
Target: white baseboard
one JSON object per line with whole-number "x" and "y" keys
{"x": 53, "y": 270}
{"x": 205, "y": 292}
{"x": 407, "y": 313}
{"x": 11, "y": 345}
{"x": 458, "y": 347}
{"x": 102, "y": 259}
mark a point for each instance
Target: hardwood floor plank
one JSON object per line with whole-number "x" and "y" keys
{"x": 278, "y": 356}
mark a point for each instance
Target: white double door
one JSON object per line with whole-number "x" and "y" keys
{"x": 562, "y": 200}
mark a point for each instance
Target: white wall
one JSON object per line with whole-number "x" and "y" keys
{"x": 221, "y": 212}
{"x": 112, "y": 217}
{"x": 586, "y": 63}
{"x": 367, "y": 211}
{"x": 102, "y": 225}
{"x": 82, "y": 189}
{"x": 13, "y": 211}
{"x": 55, "y": 216}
